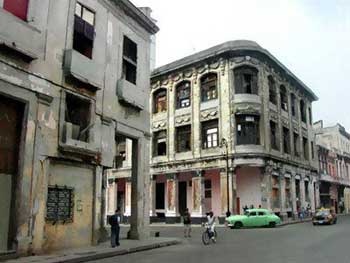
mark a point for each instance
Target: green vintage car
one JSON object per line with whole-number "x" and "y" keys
{"x": 253, "y": 218}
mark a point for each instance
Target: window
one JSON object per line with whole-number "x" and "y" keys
{"x": 210, "y": 134}
{"x": 209, "y": 87}
{"x": 183, "y": 95}
{"x": 207, "y": 188}
{"x": 284, "y": 100}
{"x": 183, "y": 138}
{"x": 296, "y": 143}
{"x": 261, "y": 213}
{"x": 306, "y": 148}
{"x": 18, "y": 8}
{"x": 310, "y": 116}
{"x": 159, "y": 143}
{"x": 247, "y": 128}
{"x": 159, "y": 101}
{"x": 84, "y": 31}
{"x": 303, "y": 111}
{"x": 246, "y": 80}
{"x": 129, "y": 60}
{"x": 272, "y": 90}
{"x": 312, "y": 151}
{"x": 293, "y": 105}
{"x": 252, "y": 214}
{"x": 78, "y": 116}
{"x": 60, "y": 203}
{"x": 286, "y": 140}
{"x": 274, "y": 137}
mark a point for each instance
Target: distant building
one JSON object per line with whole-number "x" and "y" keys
{"x": 74, "y": 81}
{"x": 235, "y": 94}
{"x": 333, "y": 147}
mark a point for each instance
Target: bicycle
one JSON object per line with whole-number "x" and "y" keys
{"x": 207, "y": 235}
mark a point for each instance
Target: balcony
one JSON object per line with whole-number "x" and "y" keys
{"x": 20, "y": 37}
{"x": 130, "y": 94}
{"x": 83, "y": 69}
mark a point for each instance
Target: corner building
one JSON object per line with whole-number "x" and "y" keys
{"x": 233, "y": 105}
{"x": 74, "y": 78}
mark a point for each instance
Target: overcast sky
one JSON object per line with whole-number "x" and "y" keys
{"x": 310, "y": 37}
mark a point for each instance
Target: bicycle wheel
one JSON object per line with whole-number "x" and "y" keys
{"x": 205, "y": 238}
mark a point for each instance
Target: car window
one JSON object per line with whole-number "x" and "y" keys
{"x": 261, "y": 213}
{"x": 252, "y": 213}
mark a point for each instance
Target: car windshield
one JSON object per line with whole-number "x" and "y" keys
{"x": 322, "y": 213}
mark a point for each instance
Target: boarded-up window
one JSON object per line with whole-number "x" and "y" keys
{"x": 18, "y": 8}
{"x": 296, "y": 142}
{"x": 303, "y": 111}
{"x": 84, "y": 31}
{"x": 272, "y": 90}
{"x": 306, "y": 148}
{"x": 207, "y": 188}
{"x": 129, "y": 60}
{"x": 183, "y": 95}
{"x": 284, "y": 99}
{"x": 247, "y": 129}
{"x": 209, "y": 87}
{"x": 210, "y": 134}
{"x": 60, "y": 203}
{"x": 274, "y": 135}
{"x": 293, "y": 104}
{"x": 159, "y": 144}
{"x": 246, "y": 80}
{"x": 160, "y": 101}
{"x": 183, "y": 138}
{"x": 286, "y": 140}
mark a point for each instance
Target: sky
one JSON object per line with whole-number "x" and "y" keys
{"x": 310, "y": 37}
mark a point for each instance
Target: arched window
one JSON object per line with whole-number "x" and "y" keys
{"x": 183, "y": 95}
{"x": 159, "y": 101}
{"x": 272, "y": 90}
{"x": 246, "y": 80}
{"x": 284, "y": 99}
{"x": 209, "y": 87}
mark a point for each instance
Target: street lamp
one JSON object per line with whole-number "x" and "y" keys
{"x": 225, "y": 143}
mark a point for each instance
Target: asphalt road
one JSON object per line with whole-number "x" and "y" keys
{"x": 297, "y": 243}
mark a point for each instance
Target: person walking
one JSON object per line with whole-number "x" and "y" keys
{"x": 187, "y": 223}
{"x": 114, "y": 221}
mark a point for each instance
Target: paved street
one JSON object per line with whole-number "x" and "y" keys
{"x": 293, "y": 243}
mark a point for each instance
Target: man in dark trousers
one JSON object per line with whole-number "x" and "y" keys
{"x": 114, "y": 221}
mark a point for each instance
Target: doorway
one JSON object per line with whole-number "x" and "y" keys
{"x": 11, "y": 115}
{"x": 160, "y": 196}
{"x": 182, "y": 196}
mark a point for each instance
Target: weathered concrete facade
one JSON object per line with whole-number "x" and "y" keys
{"x": 239, "y": 92}
{"x": 333, "y": 148}
{"x": 66, "y": 70}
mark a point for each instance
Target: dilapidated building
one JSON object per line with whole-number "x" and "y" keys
{"x": 74, "y": 80}
{"x": 231, "y": 127}
{"x": 333, "y": 150}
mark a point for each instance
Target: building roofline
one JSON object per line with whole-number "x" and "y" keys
{"x": 236, "y": 45}
{"x": 135, "y": 13}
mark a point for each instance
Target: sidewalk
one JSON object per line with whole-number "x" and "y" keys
{"x": 100, "y": 251}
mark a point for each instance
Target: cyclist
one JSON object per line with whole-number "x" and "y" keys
{"x": 211, "y": 224}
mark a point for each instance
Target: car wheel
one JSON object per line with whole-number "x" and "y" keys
{"x": 238, "y": 225}
{"x": 314, "y": 224}
{"x": 272, "y": 224}
{"x": 335, "y": 221}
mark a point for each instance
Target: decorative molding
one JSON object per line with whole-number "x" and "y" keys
{"x": 285, "y": 122}
{"x": 182, "y": 120}
{"x": 44, "y": 99}
{"x": 161, "y": 125}
{"x": 209, "y": 114}
{"x": 274, "y": 116}
{"x": 247, "y": 109}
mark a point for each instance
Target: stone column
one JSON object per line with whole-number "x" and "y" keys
{"x": 282, "y": 195}
{"x": 294, "y": 196}
{"x": 152, "y": 196}
{"x": 266, "y": 187}
{"x": 198, "y": 208}
{"x": 127, "y": 198}
{"x": 196, "y": 115}
{"x": 171, "y": 204}
{"x": 171, "y": 121}
{"x": 312, "y": 194}
{"x": 302, "y": 192}
{"x": 233, "y": 189}
{"x": 223, "y": 192}
{"x": 111, "y": 198}
{"x": 139, "y": 220}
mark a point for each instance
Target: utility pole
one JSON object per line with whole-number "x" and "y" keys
{"x": 225, "y": 143}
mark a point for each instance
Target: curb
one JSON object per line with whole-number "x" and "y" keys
{"x": 295, "y": 222}
{"x": 108, "y": 254}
